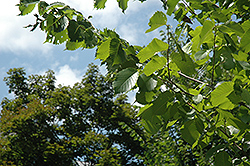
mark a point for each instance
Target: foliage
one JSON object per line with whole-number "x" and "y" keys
{"x": 45, "y": 125}
{"x": 197, "y": 77}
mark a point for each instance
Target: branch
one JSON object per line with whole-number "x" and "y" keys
{"x": 193, "y": 79}
{"x": 191, "y": 10}
{"x": 209, "y": 121}
{"x": 171, "y": 82}
{"x": 212, "y": 79}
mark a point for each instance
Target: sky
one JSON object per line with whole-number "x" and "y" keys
{"x": 21, "y": 48}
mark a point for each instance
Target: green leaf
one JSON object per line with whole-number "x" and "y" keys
{"x": 222, "y": 159}
{"x": 235, "y": 27}
{"x": 125, "y": 80}
{"x": 123, "y": 4}
{"x": 103, "y": 50}
{"x": 244, "y": 42}
{"x": 26, "y": 8}
{"x": 153, "y": 47}
{"x": 241, "y": 56}
{"x": 99, "y": 4}
{"x": 157, "y": 20}
{"x": 117, "y": 52}
{"x": 42, "y": 7}
{"x": 171, "y": 6}
{"x": 171, "y": 123}
{"x": 244, "y": 65}
{"x": 151, "y": 122}
{"x": 201, "y": 54}
{"x": 245, "y": 96}
{"x": 154, "y": 64}
{"x": 187, "y": 66}
{"x": 144, "y": 97}
{"x": 205, "y": 31}
{"x": 73, "y": 45}
{"x": 160, "y": 104}
{"x": 152, "y": 125}
{"x": 219, "y": 96}
{"x": 146, "y": 83}
{"x": 190, "y": 132}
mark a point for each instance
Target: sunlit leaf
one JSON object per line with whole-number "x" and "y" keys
{"x": 154, "y": 64}
{"x": 206, "y": 29}
{"x": 123, "y": 4}
{"x": 103, "y": 50}
{"x": 99, "y": 4}
{"x": 219, "y": 96}
{"x": 125, "y": 80}
{"x": 171, "y": 6}
{"x": 157, "y": 20}
{"x": 153, "y": 47}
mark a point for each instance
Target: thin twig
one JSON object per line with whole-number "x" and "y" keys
{"x": 212, "y": 79}
{"x": 208, "y": 120}
{"x": 168, "y": 54}
{"x": 191, "y": 10}
{"x": 173, "y": 83}
{"x": 193, "y": 79}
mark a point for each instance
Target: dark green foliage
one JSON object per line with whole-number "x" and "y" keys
{"x": 45, "y": 125}
{"x": 194, "y": 83}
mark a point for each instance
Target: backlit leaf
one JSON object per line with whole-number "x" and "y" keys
{"x": 171, "y": 6}
{"x": 154, "y": 64}
{"x": 103, "y": 50}
{"x": 99, "y": 4}
{"x": 153, "y": 47}
{"x": 205, "y": 31}
{"x": 157, "y": 20}
{"x": 123, "y": 4}
{"x": 219, "y": 96}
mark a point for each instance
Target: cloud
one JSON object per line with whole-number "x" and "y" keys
{"x": 67, "y": 76}
{"x": 13, "y": 37}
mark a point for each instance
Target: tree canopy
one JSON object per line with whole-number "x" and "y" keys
{"x": 45, "y": 125}
{"x": 195, "y": 80}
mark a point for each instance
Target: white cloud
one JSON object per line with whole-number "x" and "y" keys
{"x": 67, "y": 76}
{"x": 13, "y": 37}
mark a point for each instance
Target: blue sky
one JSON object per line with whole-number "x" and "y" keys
{"x": 21, "y": 48}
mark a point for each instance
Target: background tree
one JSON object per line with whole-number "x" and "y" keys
{"x": 45, "y": 125}
{"x": 196, "y": 81}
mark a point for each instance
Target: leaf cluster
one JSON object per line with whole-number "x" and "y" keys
{"x": 196, "y": 79}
